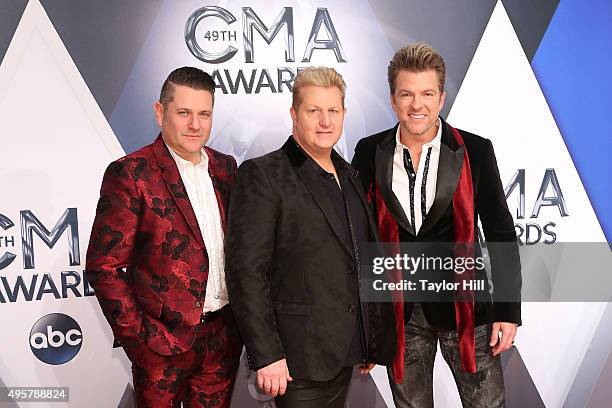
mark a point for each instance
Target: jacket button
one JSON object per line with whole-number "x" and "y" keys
{"x": 203, "y": 268}
{"x": 198, "y": 304}
{"x": 352, "y": 309}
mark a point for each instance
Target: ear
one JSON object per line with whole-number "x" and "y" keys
{"x": 159, "y": 113}
{"x": 392, "y": 100}
{"x": 442, "y": 98}
{"x": 293, "y": 114}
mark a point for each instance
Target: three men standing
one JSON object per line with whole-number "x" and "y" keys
{"x": 296, "y": 224}
{"x": 156, "y": 254}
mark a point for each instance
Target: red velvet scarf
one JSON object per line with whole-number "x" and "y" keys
{"x": 463, "y": 219}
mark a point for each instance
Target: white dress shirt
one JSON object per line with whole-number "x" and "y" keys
{"x": 401, "y": 182}
{"x": 203, "y": 200}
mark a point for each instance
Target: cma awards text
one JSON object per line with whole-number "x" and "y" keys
{"x": 214, "y": 44}
{"x": 25, "y": 283}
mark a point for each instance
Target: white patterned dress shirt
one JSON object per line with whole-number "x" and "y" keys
{"x": 401, "y": 182}
{"x": 203, "y": 200}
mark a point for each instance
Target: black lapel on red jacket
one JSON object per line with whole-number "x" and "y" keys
{"x": 384, "y": 177}
{"x": 222, "y": 176}
{"x": 449, "y": 168}
{"x": 172, "y": 178}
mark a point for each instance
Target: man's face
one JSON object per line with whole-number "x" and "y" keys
{"x": 186, "y": 122}
{"x": 318, "y": 120}
{"x": 417, "y": 101}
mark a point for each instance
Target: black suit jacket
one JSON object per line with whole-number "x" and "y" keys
{"x": 374, "y": 160}
{"x": 291, "y": 274}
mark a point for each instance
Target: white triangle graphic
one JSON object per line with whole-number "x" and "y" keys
{"x": 35, "y": 19}
{"x": 500, "y": 99}
{"x": 56, "y": 144}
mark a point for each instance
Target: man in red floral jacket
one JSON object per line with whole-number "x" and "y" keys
{"x": 156, "y": 259}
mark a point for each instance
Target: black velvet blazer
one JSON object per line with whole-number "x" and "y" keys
{"x": 373, "y": 160}
{"x": 291, "y": 277}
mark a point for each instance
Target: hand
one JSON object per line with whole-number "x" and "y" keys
{"x": 508, "y": 332}
{"x": 365, "y": 368}
{"x": 273, "y": 378}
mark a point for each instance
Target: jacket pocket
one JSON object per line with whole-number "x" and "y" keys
{"x": 151, "y": 307}
{"x": 300, "y": 309}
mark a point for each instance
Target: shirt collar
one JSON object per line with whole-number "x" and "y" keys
{"x": 182, "y": 163}
{"x": 435, "y": 142}
{"x": 339, "y": 163}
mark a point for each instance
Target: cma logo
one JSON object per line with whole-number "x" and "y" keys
{"x": 530, "y": 233}
{"x": 56, "y": 338}
{"x": 31, "y": 225}
{"x": 251, "y": 23}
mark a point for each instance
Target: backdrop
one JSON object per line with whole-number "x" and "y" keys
{"x": 77, "y": 85}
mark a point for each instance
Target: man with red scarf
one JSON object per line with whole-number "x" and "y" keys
{"x": 429, "y": 182}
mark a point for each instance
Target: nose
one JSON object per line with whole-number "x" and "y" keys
{"x": 325, "y": 119}
{"x": 416, "y": 102}
{"x": 194, "y": 122}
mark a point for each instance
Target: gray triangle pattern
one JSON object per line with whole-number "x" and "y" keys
{"x": 600, "y": 397}
{"x": 521, "y": 391}
{"x": 364, "y": 393}
{"x": 10, "y": 14}
{"x": 128, "y": 399}
{"x": 530, "y": 23}
{"x": 591, "y": 386}
{"x": 104, "y": 39}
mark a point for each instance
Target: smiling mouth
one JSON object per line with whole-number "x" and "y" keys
{"x": 417, "y": 115}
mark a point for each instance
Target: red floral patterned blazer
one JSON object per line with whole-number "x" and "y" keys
{"x": 146, "y": 258}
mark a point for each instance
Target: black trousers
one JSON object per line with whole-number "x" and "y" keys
{"x": 316, "y": 394}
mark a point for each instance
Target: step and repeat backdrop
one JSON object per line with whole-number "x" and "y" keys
{"x": 78, "y": 81}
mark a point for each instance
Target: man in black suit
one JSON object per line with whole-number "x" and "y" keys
{"x": 429, "y": 183}
{"x": 297, "y": 218}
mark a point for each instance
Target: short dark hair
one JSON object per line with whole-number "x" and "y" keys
{"x": 417, "y": 57}
{"x": 191, "y": 77}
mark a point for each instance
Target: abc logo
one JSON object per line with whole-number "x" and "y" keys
{"x": 55, "y": 338}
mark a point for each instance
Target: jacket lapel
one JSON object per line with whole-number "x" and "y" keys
{"x": 220, "y": 180}
{"x": 175, "y": 185}
{"x": 384, "y": 177}
{"x": 364, "y": 201}
{"x": 312, "y": 181}
{"x": 449, "y": 169}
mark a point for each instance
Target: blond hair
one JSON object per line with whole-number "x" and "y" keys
{"x": 316, "y": 76}
{"x": 417, "y": 57}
